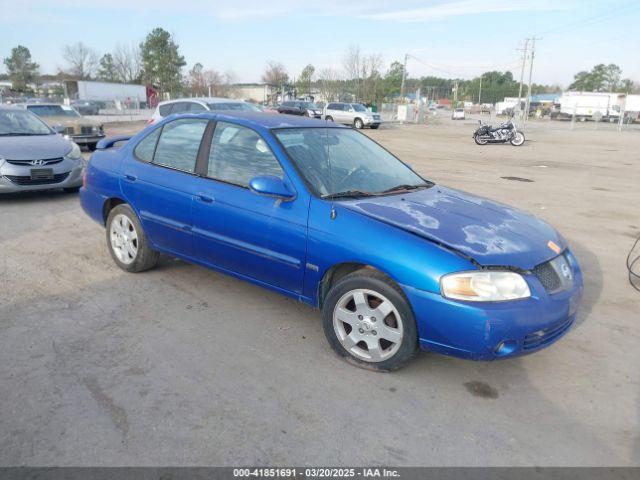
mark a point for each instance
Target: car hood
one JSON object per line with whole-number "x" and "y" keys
{"x": 33, "y": 147}
{"x": 69, "y": 121}
{"x": 491, "y": 233}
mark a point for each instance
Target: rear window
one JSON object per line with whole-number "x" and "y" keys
{"x": 165, "y": 109}
{"x": 52, "y": 111}
{"x": 231, "y": 106}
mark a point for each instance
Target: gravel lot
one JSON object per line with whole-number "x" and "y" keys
{"x": 184, "y": 366}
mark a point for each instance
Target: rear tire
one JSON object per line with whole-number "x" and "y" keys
{"x": 92, "y": 146}
{"x": 374, "y": 127}
{"x": 358, "y": 123}
{"x": 479, "y": 140}
{"x": 127, "y": 242}
{"x": 368, "y": 320}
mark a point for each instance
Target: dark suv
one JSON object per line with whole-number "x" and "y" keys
{"x": 297, "y": 107}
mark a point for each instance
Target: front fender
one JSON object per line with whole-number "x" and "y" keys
{"x": 352, "y": 237}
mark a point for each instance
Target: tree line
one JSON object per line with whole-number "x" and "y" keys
{"x": 361, "y": 76}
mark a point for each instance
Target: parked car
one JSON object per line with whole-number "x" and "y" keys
{"x": 86, "y": 107}
{"x": 197, "y": 105}
{"x": 67, "y": 121}
{"x": 457, "y": 114}
{"x": 34, "y": 157}
{"x": 298, "y": 107}
{"x": 321, "y": 213}
{"x": 354, "y": 114}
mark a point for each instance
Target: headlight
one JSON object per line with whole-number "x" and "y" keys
{"x": 485, "y": 286}
{"x": 74, "y": 154}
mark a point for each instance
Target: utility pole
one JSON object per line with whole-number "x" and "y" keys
{"x": 533, "y": 53}
{"x": 404, "y": 77}
{"x": 480, "y": 93}
{"x": 524, "y": 60}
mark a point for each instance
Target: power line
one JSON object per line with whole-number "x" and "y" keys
{"x": 608, "y": 14}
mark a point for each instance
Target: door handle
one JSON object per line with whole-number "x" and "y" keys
{"x": 130, "y": 177}
{"x": 203, "y": 197}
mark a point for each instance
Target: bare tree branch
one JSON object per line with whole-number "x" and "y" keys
{"x": 82, "y": 60}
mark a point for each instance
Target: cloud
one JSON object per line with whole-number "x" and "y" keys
{"x": 247, "y": 10}
{"x": 460, "y": 8}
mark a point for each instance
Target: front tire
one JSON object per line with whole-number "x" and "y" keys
{"x": 329, "y": 118}
{"x": 71, "y": 189}
{"x": 518, "y": 139}
{"x": 127, "y": 241}
{"x": 374, "y": 127}
{"x": 367, "y": 319}
{"x": 358, "y": 123}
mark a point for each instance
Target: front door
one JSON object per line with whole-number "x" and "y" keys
{"x": 256, "y": 236}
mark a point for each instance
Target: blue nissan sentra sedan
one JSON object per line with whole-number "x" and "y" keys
{"x": 322, "y": 213}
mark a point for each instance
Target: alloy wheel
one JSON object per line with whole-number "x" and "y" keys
{"x": 368, "y": 325}
{"x": 518, "y": 139}
{"x": 124, "y": 239}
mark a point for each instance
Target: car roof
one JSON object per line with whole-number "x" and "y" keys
{"x": 203, "y": 100}
{"x": 41, "y": 104}
{"x": 267, "y": 121}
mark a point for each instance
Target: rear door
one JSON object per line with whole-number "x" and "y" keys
{"x": 341, "y": 114}
{"x": 256, "y": 236}
{"x": 159, "y": 183}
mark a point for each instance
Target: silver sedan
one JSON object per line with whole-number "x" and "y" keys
{"x": 34, "y": 157}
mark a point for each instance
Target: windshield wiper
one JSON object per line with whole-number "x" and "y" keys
{"x": 348, "y": 194}
{"x": 406, "y": 187}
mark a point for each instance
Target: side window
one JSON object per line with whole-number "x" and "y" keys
{"x": 179, "y": 143}
{"x": 196, "y": 107}
{"x": 238, "y": 154}
{"x": 165, "y": 109}
{"x": 331, "y": 106}
{"x": 145, "y": 148}
{"x": 339, "y": 106}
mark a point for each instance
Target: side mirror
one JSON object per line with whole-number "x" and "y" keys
{"x": 270, "y": 186}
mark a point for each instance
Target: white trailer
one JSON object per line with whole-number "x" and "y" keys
{"x": 591, "y": 105}
{"x": 631, "y": 107}
{"x": 105, "y": 92}
{"x": 632, "y": 103}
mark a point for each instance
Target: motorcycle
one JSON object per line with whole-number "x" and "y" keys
{"x": 506, "y": 132}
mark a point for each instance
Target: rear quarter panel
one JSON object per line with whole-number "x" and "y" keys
{"x": 102, "y": 182}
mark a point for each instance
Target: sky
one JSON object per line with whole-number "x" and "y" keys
{"x": 447, "y": 38}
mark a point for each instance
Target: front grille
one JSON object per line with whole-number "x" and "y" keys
{"x": 67, "y": 131}
{"x": 24, "y": 180}
{"x": 86, "y": 130}
{"x": 555, "y": 275}
{"x": 545, "y": 336}
{"x": 45, "y": 161}
{"x": 548, "y": 277}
